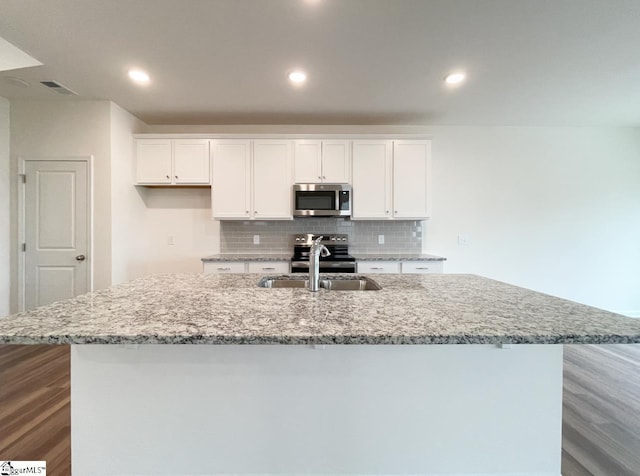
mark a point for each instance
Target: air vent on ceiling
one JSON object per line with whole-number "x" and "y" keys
{"x": 59, "y": 88}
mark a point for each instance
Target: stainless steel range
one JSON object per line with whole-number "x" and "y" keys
{"x": 339, "y": 261}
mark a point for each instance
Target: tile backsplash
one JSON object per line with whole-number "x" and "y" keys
{"x": 275, "y": 236}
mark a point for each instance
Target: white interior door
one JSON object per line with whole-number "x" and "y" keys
{"x": 56, "y": 230}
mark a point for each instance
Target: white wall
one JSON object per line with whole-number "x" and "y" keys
{"x": 5, "y": 249}
{"x": 128, "y": 212}
{"x": 60, "y": 128}
{"x": 184, "y": 214}
{"x": 552, "y": 209}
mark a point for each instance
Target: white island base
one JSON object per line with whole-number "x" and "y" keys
{"x": 278, "y": 409}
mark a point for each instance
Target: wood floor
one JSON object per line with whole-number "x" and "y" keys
{"x": 35, "y": 418}
{"x": 601, "y": 408}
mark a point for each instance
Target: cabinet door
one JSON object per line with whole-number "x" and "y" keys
{"x": 272, "y": 180}
{"x": 191, "y": 161}
{"x": 230, "y": 190}
{"x": 268, "y": 267}
{"x": 379, "y": 267}
{"x": 422, "y": 267}
{"x": 307, "y": 157}
{"x": 336, "y": 163}
{"x": 224, "y": 267}
{"x": 411, "y": 164}
{"x": 371, "y": 180}
{"x": 153, "y": 161}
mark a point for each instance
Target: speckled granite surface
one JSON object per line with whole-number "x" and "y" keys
{"x": 247, "y": 257}
{"x": 397, "y": 257}
{"x": 231, "y": 309}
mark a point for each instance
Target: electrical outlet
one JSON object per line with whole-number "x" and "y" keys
{"x": 463, "y": 240}
{"x": 381, "y": 239}
{"x": 171, "y": 240}
{"x": 256, "y": 239}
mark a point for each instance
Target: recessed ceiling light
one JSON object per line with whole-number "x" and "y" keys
{"x": 297, "y": 77}
{"x": 455, "y": 78}
{"x": 139, "y": 76}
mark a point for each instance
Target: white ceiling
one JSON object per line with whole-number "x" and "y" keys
{"x": 529, "y": 62}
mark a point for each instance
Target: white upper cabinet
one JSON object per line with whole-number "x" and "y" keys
{"x": 191, "y": 162}
{"x": 411, "y": 169}
{"x": 252, "y": 179}
{"x": 391, "y": 179}
{"x": 153, "y": 161}
{"x": 322, "y": 161}
{"x": 231, "y": 187}
{"x": 371, "y": 185}
{"x": 272, "y": 180}
{"x": 172, "y": 162}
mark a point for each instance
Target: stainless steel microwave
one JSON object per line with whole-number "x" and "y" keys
{"x": 321, "y": 200}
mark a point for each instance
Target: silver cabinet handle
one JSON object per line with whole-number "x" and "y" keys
{"x": 224, "y": 269}
{"x": 421, "y": 267}
{"x": 377, "y": 267}
{"x": 269, "y": 269}
{"x": 81, "y": 257}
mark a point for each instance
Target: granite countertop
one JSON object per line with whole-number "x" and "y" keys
{"x": 287, "y": 257}
{"x": 231, "y": 309}
{"x": 397, "y": 257}
{"x": 247, "y": 257}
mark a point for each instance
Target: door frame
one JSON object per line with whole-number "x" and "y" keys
{"x": 22, "y": 232}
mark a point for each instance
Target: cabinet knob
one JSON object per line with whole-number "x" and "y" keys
{"x": 176, "y": 176}
{"x": 395, "y": 211}
{"x": 387, "y": 212}
{"x": 324, "y": 176}
{"x": 246, "y": 211}
{"x": 319, "y": 176}
{"x": 168, "y": 176}
{"x": 255, "y": 212}
{"x": 81, "y": 257}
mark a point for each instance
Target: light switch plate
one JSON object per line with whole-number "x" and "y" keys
{"x": 256, "y": 239}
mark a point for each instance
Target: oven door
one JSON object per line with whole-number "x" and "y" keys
{"x": 325, "y": 267}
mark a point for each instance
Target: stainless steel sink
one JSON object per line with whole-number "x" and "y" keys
{"x": 342, "y": 283}
{"x": 282, "y": 282}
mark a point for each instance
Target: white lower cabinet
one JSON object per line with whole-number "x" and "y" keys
{"x": 268, "y": 266}
{"x": 422, "y": 267}
{"x": 397, "y": 267}
{"x": 231, "y": 267}
{"x": 224, "y": 267}
{"x": 379, "y": 267}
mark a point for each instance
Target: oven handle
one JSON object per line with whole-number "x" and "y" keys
{"x": 324, "y": 264}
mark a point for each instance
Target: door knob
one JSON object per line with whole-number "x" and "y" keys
{"x": 81, "y": 257}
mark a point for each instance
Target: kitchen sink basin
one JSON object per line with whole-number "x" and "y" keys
{"x": 346, "y": 283}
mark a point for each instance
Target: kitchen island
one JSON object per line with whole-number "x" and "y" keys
{"x": 311, "y": 406}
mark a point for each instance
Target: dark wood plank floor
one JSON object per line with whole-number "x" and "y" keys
{"x": 601, "y": 408}
{"x": 35, "y": 418}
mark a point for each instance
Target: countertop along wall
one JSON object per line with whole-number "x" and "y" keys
{"x": 554, "y": 209}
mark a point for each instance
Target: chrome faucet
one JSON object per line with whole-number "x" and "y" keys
{"x": 315, "y": 252}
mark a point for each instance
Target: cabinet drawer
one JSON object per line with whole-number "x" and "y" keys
{"x": 268, "y": 267}
{"x": 224, "y": 267}
{"x": 378, "y": 267}
{"x": 421, "y": 267}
